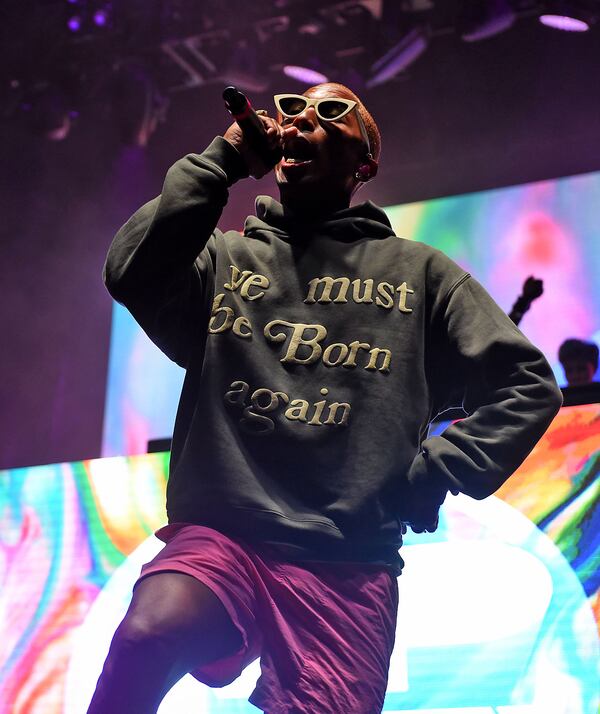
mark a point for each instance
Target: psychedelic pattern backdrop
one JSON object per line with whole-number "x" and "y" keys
{"x": 547, "y": 229}
{"x": 498, "y": 614}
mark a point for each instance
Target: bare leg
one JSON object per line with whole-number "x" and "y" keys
{"x": 174, "y": 624}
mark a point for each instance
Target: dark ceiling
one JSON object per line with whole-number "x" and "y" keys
{"x": 127, "y": 60}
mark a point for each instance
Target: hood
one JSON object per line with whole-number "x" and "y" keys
{"x": 364, "y": 220}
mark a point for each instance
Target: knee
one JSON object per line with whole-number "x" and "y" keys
{"x": 137, "y": 671}
{"x": 144, "y": 635}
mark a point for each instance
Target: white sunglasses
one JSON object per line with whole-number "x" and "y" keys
{"x": 326, "y": 108}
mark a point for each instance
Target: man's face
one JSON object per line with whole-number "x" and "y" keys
{"x": 320, "y": 156}
{"x": 578, "y": 372}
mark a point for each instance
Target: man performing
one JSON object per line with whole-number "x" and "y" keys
{"x": 317, "y": 346}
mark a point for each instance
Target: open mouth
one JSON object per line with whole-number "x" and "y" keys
{"x": 294, "y": 161}
{"x": 297, "y": 153}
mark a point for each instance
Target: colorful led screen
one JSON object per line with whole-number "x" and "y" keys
{"x": 499, "y": 609}
{"x": 547, "y": 229}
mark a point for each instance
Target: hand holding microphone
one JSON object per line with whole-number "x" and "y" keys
{"x": 256, "y": 137}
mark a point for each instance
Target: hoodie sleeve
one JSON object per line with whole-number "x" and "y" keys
{"x": 507, "y": 389}
{"x": 153, "y": 265}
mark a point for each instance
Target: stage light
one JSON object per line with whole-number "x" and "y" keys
{"x": 102, "y": 14}
{"x": 568, "y": 16}
{"x": 486, "y": 18}
{"x": 399, "y": 57}
{"x": 88, "y": 16}
{"x": 75, "y": 15}
{"x": 100, "y": 18}
{"x": 74, "y": 23}
{"x": 564, "y": 22}
{"x": 304, "y": 74}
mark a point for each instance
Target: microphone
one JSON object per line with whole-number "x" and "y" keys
{"x": 238, "y": 105}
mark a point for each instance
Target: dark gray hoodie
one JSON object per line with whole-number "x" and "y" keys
{"x": 316, "y": 354}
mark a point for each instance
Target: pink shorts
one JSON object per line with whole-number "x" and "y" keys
{"x": 324, "y": 632}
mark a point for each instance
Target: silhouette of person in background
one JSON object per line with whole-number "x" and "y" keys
{"x": 532, "y": 289}
{"x": 579, "y": 360}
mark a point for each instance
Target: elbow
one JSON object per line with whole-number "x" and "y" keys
{"x": 480, "y": 491}
{"x": 552, "y": 401}
{"x": 113, "y": 281}
{"x": 109, "y": 278}
{"x": 556, "y": 400}
{"x": 546, "y": 394}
